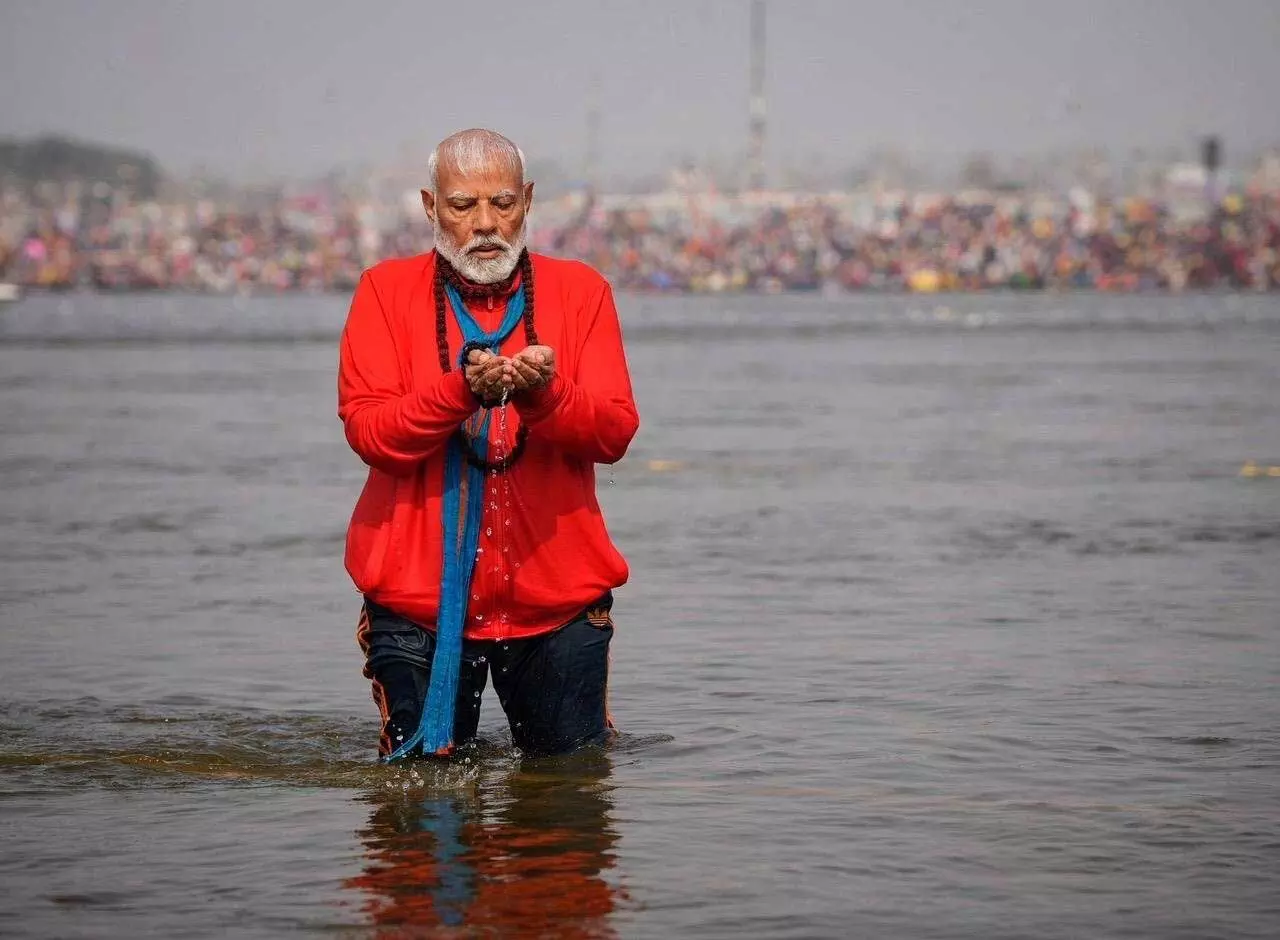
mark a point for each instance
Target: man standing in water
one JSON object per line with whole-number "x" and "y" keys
{"x": 481, "y": 385}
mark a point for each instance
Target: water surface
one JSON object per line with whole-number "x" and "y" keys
{"x": 949, "y": 618}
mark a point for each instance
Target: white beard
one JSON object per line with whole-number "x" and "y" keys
{"x": 482, "y": 270}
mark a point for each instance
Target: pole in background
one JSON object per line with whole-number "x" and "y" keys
{"x": 591, "y": 158}
{"x": 755, "y": 142}
{"x": 1211, "y": 160}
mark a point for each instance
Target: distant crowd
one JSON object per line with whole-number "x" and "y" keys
{"x": 840, "y": 242}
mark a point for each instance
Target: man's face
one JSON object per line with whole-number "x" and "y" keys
{"x": 479, "y": 220}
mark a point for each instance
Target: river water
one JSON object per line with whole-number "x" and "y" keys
{"x": 949, "y": 618}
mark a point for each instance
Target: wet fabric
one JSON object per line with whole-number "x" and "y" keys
{"x": 552, "y": 687}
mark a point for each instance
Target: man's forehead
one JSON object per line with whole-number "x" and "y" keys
{"x": 490, "y": 180}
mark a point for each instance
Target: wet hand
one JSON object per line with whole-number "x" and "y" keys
{"x": 522, "y": 375}
{"x": 536, "y": 365}
{"x": 487, "y": 375}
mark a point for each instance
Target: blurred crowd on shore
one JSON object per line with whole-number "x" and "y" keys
{"x": 74, "y": 238}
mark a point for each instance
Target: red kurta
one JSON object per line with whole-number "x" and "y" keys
{"x": 547, "y": 555}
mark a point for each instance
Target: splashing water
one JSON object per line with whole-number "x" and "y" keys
{"x": 86, "y": 743}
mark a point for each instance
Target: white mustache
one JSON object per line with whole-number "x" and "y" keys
{"x": 479, "y": 243}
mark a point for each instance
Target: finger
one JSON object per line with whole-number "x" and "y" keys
{"x": 514, "y": 377}
{"x": 528, "y": 374}
{"x": 492, "y": 370}
{"x": 486, "y": 380}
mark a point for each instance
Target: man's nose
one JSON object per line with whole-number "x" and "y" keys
{"x": 486, "y": 220}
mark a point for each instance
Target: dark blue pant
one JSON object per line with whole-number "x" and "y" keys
{"x": 552, "y": 687}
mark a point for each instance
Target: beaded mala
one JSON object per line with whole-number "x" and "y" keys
{"x": 445, "y": 273}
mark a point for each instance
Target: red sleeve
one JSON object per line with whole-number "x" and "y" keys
{"x": 392, "y": 427}
{"x": 593, "y": 417}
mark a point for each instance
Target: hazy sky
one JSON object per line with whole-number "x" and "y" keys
{"x": 279, "y": 85}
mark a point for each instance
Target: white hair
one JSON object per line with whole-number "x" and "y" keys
{"x": 474, "y": 151}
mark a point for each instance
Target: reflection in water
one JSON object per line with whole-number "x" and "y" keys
{"x": 522, "y": 855}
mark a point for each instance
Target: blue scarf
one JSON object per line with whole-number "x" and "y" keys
{"x": 461, "y": 514}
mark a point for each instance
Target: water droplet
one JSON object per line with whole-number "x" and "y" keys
{"x": 508, "y": 522}
{"x": 517, "y": 564}
{"x": 475, "y": 597}
{"x": 479, "y": 551}
{"x": 481, "y": 659}
{"x": 506, "y": 577}
{"x": 476, "y": 694}
{"x": 479, "y": 616}
{"x": 494, "y": 491}
{"x": 488, "y": 531}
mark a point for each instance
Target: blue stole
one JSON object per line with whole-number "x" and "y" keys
{"x": 462, "y": 513}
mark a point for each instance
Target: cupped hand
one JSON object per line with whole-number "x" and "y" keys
{"x": 536, "y": 363}
{"x": 487, "y": 375}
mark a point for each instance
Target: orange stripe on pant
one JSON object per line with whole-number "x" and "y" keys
{"x": 363, "y": 626}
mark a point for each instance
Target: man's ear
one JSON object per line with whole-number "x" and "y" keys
{"x": 528, "y": 196}
{"x": 429, "y": 205}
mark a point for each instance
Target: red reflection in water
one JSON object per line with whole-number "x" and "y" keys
{"x": 523, "y": 858}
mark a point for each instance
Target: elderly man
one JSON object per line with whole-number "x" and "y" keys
{"x": 481, "y": 384}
